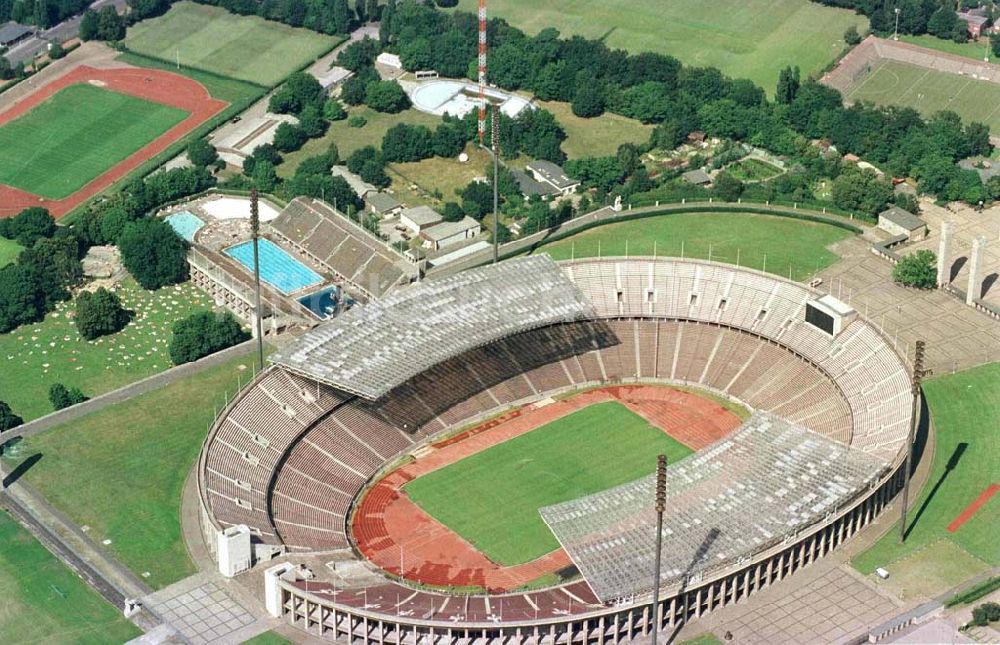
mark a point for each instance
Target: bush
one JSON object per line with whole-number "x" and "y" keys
{"x": 357, "y": 121}
{"x": 334, "y": 111}
{"x": 851, "y": 36}
{"x": 8, "y": 419}
{"x": 386, "y": 96}
{"x": 917, "y": 270}
{"x": 986, "y": 613}
{"x": 204, "y": 333}
{"x": 99, "y": 313}
{"x": 153, "y": 253}
{"x": 62, "y": 397}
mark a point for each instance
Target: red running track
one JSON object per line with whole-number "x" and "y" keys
{"x": 398, "y": 536}
{"x": 973, "y": 508}
{"x": 150, "y": 84}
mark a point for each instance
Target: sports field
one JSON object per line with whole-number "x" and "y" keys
{"x": 492, "y": 498}
{"x": 778, "y": 245}
{"x": 965, "y": 408}
{"x": 752, "y": 39}
{"x": 45, "y": 602}
{"x": 241, "y": 47}
{"x": 121, "y": 471}
{"x": 75, "y": 136}
{"x": 928, "y": 91}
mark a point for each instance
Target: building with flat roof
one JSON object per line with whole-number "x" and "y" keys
{"x": 553, "y": 175}
{"x": 975, "y": 21}
{"x": 697, "y": 177}
{"x": 357, "y": 184}
{"x": 449, "y": 233}
{"x": 383, "y": 204}
{"x": 899, "y": 222}
{"x": 420, "y": 218}
{"x": 12, "y": 33}
{"x": 531, "y": 187}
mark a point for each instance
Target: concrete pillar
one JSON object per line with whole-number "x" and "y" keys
{"x": 975, "y": 268}
{"x": 944, "y": 251}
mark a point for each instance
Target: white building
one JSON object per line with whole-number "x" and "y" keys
{"x": 448, "y": 233}
{"x": 549, "y": 173}
{"x": 420, "y": 218}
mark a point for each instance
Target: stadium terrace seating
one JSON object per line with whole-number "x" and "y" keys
{"x": 335, "y": 242}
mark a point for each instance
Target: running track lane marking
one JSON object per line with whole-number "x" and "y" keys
{"x": 972, "y": 508}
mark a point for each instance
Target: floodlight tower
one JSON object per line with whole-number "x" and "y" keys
{"x": 919, "y": 372}
{"x": 482, "y": 71}
{"x": 661, "y": 503}
{"x": 255, "y": 232}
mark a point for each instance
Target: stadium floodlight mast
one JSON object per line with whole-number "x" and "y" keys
{"x": 895, "y": 34}
{"x": 255, "y": 232}
{"x": 494, "y": 152}
{"x": 918, "y": 375}
{"x": 661, "y": 503}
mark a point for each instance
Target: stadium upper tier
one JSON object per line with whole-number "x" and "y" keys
{"x": 370, "y": 350}
{"x": 765, "y": 481}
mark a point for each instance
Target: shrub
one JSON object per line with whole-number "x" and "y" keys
{"x": 917, "y": 270}
{"x": 334, "y": 111}
{"x": 62, "y": 397}
{"x": 204, "y": 333}
{"x": 357, "y": 121}
{"x": 985, "y": 614}
{"x": 8, "y": 419}
{"x": 99, "y": 313}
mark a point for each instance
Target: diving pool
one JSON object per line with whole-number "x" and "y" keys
{"x": 186, "y": 224}
{"x": 277, "y": 268}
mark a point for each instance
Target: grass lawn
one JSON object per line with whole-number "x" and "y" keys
{"x": 349, "y": 139}
{"x": 928, "y": 91}
{"x": 784, "y": 242}
{"x": 52, "y": 351}
{"x": 82, "y": 131}
{"x": 752, "y": 39}
{"x": 492, "y": 498}
{"x": 268, "y": 638}
{"x": 965, "y": 408}
{"x": 121, "y": 471}
{"x": 974, "y": 50}
{"x": 753, "y": 170}
{"x": 438, "y": 175}
{"x": 45, "y": 602}
{"x": 9, "y": 250}
{"x": 596, "y": 137}
{"x": 242, "y": 47}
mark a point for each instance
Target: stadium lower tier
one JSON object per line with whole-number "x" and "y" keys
{"x": 290, "y": 457}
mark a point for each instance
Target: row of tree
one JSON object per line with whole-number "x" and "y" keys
{"x": 41, "y": 13}
{"x": 935, "y": 17}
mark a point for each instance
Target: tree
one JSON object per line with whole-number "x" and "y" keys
{"x": 29, "y": 225}
{"x": 995, "y": 43}
{"x": 311, "y": 122}
{"x": 288, "y": 137}
{"x": 359, "y": 54}
{"x": 386, "y": 96}
{"x": 264, "y": 152}
{"x": 301, "y": 89}
{"x": 448, "y": 141}
{"x": 851, "y": 36}
{"x": 54, "y": 264}
{"x": 452, "y": 212}
{"x": 153, "y": 253}
{"x": 861, "y": 191}
{"x": 917, "y": 270}
{"x": 403, "y": 143}
{"x": 20, "y": 300}
{"x": 477, "y": 199}
{"x": 986, "y": 613}
{"x": 265, "y": 176}
{"x": 588, "y": 99}
{"x": 727, "y": 187}
{"x": 110, "y": 26}
{"x": 56, "y": 51}
{"x": 88, "y": 25}
{"x": 334, "y": 111}
{"x": 204, "y": 333}
{"x": 8, "y": 419}
{"x": 62, "y": 397}
{"x": 99, "y": 313}
{"x": 788, "y": 85}
{"x": 201, "y": 153}
{"x": 944, "y": 22}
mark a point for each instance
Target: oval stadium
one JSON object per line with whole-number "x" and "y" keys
{"x": 471, "y": 458}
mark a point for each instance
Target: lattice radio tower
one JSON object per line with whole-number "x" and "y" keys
{"x": 482, "y": 71}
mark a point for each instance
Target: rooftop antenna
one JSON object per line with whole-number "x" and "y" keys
{"x": 255, "y": 231}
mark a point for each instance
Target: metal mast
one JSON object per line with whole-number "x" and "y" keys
{"x": 255, "y": 231}
{"x": 661, "y": 503}
{"x": 495, "y": 131}
{"x": 918, "y": 375}
{"x": 482, "y": 71}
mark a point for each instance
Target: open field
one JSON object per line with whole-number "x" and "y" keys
{"x": 239, "y": 94}
{"x": 787, "y": 245}
{"x": 965, "y": 409}
{"x": 752, "y": 39}
{"x": 971, "y": 49}
{"x": 928, "y": 91}
{"x": 9, "y": 250}
{"x": 438, "y": 175}
{"x": 492, "y": 498}
{"x": 45, "y": 602}
{"x": 76, "y": 135}
{"x": 242, "y": 47}
{"x": 598, "y": 136}
{"x": 52, "y": 351}
{"x": 121, "y": 471}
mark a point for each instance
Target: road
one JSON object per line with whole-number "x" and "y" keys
{"x": 66, "y": 30}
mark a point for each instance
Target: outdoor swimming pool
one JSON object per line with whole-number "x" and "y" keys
{"x": 186, "y": 224}
{"x": 277, "y": 268}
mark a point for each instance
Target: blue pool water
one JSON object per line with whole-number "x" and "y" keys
{"x": 323, "y": 303}
{"x": 277, "y": 268}
{"x": 186, "y": 224}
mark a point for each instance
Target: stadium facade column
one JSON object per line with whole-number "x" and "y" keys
{"x": 944, "y": 250}
{"x": 975, "y": 267}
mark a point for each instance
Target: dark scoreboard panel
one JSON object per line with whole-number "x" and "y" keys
{"x": 819, "y": 318}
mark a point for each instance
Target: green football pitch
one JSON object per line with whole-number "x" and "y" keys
{"x": 247, "y": 48}
{"x": 752, "y": 39}
{"x": 928, "y": 91}
{"x": 492, "y": 498}
{"x": 44, "y": 602}
{"x": 75, "y": 136}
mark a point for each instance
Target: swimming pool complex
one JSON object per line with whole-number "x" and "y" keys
{"x": 277, "y": 268}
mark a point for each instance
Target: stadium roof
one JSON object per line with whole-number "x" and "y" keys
{"x": 373, "y": 348}
{"x": 740, "y": 495}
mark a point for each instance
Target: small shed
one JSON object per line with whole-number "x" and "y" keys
{"x": 383, "y": 204}
{"x": 697, "y": 177}
{"x": 896, "y": 221}
{"x": 448, "y": 233}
